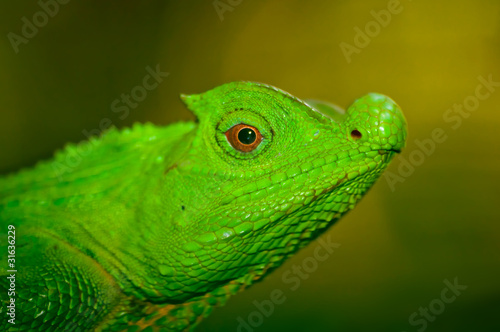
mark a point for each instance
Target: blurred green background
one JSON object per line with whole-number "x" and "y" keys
{"x": 440, "y": 222}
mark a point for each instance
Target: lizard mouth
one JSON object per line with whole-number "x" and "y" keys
{"x": 387, "y": 155}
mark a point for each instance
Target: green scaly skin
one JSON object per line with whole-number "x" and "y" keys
{"x": 155, "y": 226}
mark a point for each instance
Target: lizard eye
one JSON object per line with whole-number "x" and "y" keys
{"x": 243, "y": 137}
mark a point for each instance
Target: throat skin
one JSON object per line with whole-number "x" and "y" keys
{"x": 149, "y": 228}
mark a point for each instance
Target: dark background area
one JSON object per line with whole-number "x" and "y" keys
{"x": 440, "y": 222}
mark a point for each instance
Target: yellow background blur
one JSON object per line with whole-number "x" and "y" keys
{"x": 402, "y": 241}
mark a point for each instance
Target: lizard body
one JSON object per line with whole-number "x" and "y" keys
{"x": 155, "y": 226}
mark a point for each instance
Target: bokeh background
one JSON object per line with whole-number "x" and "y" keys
{"x": 440, "y": 222}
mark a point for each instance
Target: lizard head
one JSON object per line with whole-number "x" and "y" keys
{"x": 265, "y": 173}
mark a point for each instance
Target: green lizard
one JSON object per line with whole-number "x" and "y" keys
{"x": 158, "y": 225}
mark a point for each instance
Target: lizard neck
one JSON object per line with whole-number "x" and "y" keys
{"x": 100, "y": 205}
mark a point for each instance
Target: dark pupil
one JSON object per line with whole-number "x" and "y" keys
{"x": 247, "y": 136}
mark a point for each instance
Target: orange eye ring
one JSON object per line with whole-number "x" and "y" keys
{"x": 243, "y": 137}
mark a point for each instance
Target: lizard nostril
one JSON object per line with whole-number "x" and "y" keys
{"x": 355, "y": 134}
